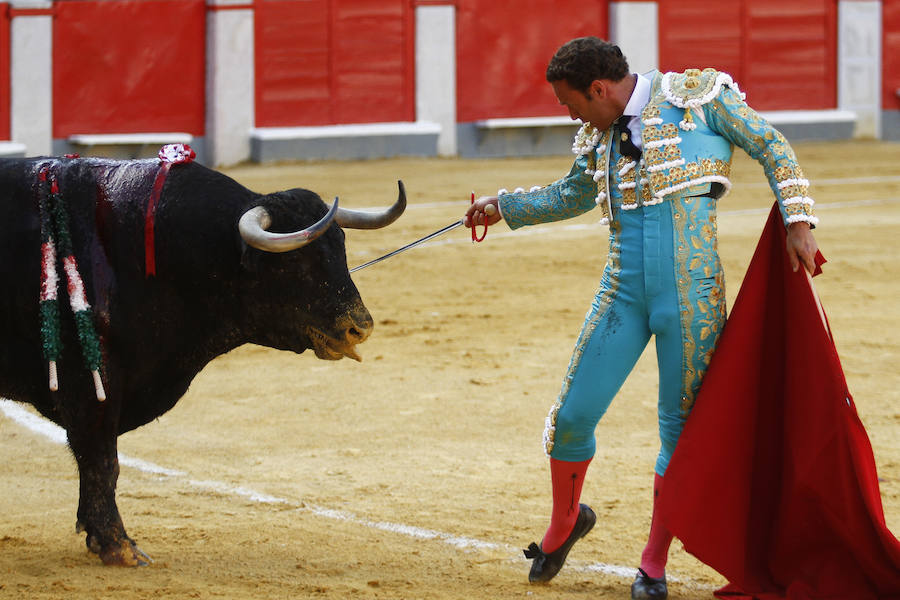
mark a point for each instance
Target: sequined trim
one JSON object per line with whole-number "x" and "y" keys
{"x": 701, "y": 289}
{"x": 609, "y": 288}
{"x": 694, "y": 87}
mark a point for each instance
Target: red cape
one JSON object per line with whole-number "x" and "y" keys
{"x": 773, "y": 481}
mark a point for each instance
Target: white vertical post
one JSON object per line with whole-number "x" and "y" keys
{"x": 634, "y": 27}
{"x": 436, "y": 72}
{"x": 859, "y": 63}
{"x": 31, "y": 75}
{"x": 230, "y": 83}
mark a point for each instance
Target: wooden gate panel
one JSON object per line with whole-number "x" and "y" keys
{"x": 890, "y": 54}
{"x": 502, "y": 53}
{"x": 782, "y": 53}
{"x": 5, "y": 114}
{"x": 322, "y": 62}
{"x": 129, "y": 67}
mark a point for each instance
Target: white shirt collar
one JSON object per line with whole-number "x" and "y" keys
{"x": 639, "y": 97}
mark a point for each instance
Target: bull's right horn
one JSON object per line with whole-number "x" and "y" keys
{"x": 357, "y": 219}
{"x": 255, "y": 222}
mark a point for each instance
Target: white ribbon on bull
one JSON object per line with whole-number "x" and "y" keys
{"x": 254, "y": 225}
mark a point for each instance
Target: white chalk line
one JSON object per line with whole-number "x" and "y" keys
{"x": 55, "y": 434}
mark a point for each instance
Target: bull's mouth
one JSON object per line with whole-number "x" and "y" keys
{"x": 329, "y": 348}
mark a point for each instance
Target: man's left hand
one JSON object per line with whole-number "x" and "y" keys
{"x": 801, "y": 246}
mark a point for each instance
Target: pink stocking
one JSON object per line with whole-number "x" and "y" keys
{"x": 656, "y": 553}
{"x": 566, "y": 479}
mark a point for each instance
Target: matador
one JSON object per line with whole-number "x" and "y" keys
{"x": 654, "y": 155}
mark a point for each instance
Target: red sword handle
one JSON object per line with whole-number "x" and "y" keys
{"x": 475, "y": 237}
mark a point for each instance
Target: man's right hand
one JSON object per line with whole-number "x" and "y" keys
{"x": 483, "y": 210}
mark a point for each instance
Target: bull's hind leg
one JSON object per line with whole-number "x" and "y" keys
{"x": 98, "y": 467}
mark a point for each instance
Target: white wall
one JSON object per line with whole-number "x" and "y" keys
{"x": 230, "y": 106}
{"x": 31, "y": 78}
{"x": 436, "y": 72}
{"x": 859, "y": 63}
{"x": 634, "y": 27}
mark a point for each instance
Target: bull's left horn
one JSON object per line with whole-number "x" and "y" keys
{"x": 356, "y": 219}
{"x": 256, "y": 221}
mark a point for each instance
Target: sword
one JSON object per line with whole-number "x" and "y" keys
{"x": 489, "y": 210}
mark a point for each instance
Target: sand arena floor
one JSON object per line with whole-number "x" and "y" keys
{"x": 419, "y": 472}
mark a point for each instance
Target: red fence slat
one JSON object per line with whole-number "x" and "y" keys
{"x": 353, "y": 62}
{"x": 790, "y": 60}
{"x": 681, "y": 24}
{"x": 372, "y": 68}
{"x": 293, "y": 73}
{"x": 121, "y": 66}
{"x": 781, "y": 52}
{"x": 4, "y": 73}
{"x": 503, "y": 49}
{"x": 890, "y": 54}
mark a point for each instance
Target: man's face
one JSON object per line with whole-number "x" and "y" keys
{"x": 594, "y": 105}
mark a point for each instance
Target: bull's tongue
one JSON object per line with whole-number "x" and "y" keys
{"x": 352, "y": 353}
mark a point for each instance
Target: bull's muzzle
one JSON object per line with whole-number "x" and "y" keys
{"x": 352, "y": 329}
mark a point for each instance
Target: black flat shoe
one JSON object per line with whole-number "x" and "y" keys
{"x": 544, "y": 567}
{"x": 648, "y": 588}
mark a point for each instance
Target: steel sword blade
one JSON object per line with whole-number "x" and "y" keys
{"x": 441, "y": 231}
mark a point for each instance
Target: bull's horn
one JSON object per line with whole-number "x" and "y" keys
{"x": 356, "y": 219}
{"x": 255, "y": 222}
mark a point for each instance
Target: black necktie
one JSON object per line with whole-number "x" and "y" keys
{"x": 623, "y": 134}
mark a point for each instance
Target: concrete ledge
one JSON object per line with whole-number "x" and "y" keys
{"x": 521, "y": 136}
{"x": 542, "y": 136}
{"x": 344, "y": 142}
{"x": 125, "y": 145}
{"x": 803, "y": 125}
{"x": 890, "y": 125}
{"x": 517, "y": 122}
{"x": 12, "y": 150}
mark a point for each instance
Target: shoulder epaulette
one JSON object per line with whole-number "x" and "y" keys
{"x": 694, "y": 87}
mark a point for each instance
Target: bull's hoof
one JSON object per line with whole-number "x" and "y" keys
{"x": 125, "y": 554}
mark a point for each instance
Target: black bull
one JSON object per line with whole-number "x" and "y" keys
{"x": 222, "y": 280}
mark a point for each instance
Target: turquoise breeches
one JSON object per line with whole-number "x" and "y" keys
{"x": 663, "y": 278}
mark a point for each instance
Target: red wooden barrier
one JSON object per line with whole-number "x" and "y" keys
{"x": 320, "y": 62}
{"x": 121, "y": 66}
{"x": 890, "y": 54}
{"x": 503, "y": 49}
{"x": 4, "y": 72}
{"x": 782, "y": 53}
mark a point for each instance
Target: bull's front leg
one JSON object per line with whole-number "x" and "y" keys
{"x": 96, "y": 453}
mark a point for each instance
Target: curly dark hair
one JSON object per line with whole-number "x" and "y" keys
{"x": 582, "y": 60}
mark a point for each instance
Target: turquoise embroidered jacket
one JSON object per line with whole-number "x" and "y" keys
{"x": 689, "y": 128}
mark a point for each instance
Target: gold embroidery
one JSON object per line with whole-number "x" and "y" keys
{"x": 626, "y": 181}
{"x": 650, "y": 133}
{"x": 700, "y": 285}
{"x": 693, "y": 170}
{"x": 672, "y": 152}
{"x": 607, "y": 293}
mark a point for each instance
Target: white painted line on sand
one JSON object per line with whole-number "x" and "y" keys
{"x": 55, "y": 434}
